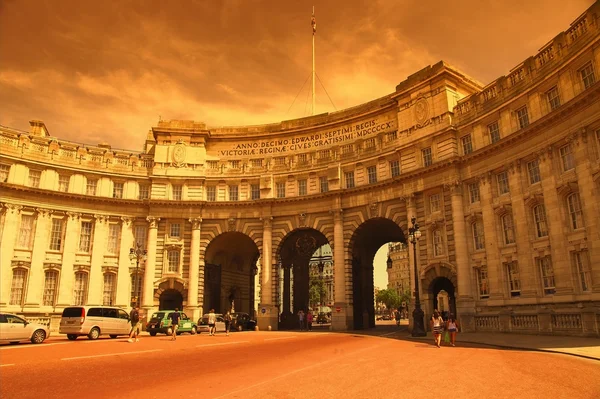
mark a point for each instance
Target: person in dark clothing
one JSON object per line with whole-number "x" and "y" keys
{"x": 175, "y": 316}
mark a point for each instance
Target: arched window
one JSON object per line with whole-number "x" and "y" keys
{"x": 575, "y": 213}
{"x": 539, "y": 218}
{"x": 478, "y": 240}
{"x": 109, "y": 290}
{"x": 80, "y": 288}
{"x": 508, "y": 231}
{"x": 438, "y": 244}
{"x": 18, "y": 285}
{"x": 50, "y": 284}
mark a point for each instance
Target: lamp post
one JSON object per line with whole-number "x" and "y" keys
{"x": 138, "y": 254}
{"x": 321, "y": 266}
{"x": 418, "y": 323}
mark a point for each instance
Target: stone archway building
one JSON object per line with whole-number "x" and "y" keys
{"x": 505, "y": 176}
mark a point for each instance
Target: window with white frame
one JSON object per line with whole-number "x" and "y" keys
{"x": 370, "y": 144}
{"x": 434, "y": 203}
{"x": 508, "y": 229}
{"x": 144, "y": 192}
{"x": 302, "y": 159}
{"x": 533, "y": 171}
{"x": 17, "y": 287}
{"x": 213, "y": 165}
{"x": 114, "y": 233}
{"x": 140, "y": 234}
{"x": 280, "y": 189}
{"x": 173, "y": 257}
{"x": 235, "y": 164}
{"x": 553, "y": 98}
{"x": 177, "y": 192}
{"x": 391, "y": 136}
{"x": 478, "y": 238}
{"x": 234, "y": 193}
{"x": 254, "y": 191}
{"x": 467, "y": 144}
{"x": 34, "y": 178}
{"x": 324, "y": 154}
{"x": 494, "y": 131}
{"x": 347, "y": 149}
{"x": 502, "y": 180}
{"x": 349, "y": 179}
{"x": 109, "y": 291}
{"x": 56, "y": 234}
{"x": 175, "y": 230}
{"x": 211, "y": 193}
{"x": 514, "y": 279}
{"x": 372, "y": 174}
{"x": 80, "y": 288}
{"x": 482, "y": 282}
{"x": 575, "y": 212}
{"x": 118, "y": 190}
{"x": 566, "y": 157}
{"x": 523, "y": 117}
{"x": 280, "y": 161}
{"x": 547, "y": 273}
{"x": 473, "y": 192}
{"x": 324, "y": 184}
{"x": 582, "y": 268}
{"x": 63, "y": 183}
{"x": 539, "y": 219}
{"x": 438, "y": 244}
{"x": 302, "y": 188}
{"x": 90, "y": 187}
{"x": 587, "y": 75}
{"x": 50, "y": 285}
{"x": 4, "y": 170}
{"x": 256, "y": 163}
{"x": 26, "y": 231}
{"x": 395, "y": 168}
{"x": 85, "y": 237}
{"x": 426, "y": 154}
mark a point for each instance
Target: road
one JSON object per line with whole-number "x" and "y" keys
{"x": 379, "y": 364}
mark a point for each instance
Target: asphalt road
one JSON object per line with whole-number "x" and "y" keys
{"x": 380, "y": 364}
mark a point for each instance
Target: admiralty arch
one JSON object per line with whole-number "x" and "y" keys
{"x": 503, "y": 179}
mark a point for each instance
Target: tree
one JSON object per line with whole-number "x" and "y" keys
{"x": 316, "y": 291}
{"x": 389, "y": 297}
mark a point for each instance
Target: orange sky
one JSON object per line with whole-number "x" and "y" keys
{"x": 104, "y": 71}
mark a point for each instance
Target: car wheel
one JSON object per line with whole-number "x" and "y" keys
{"x": 169, "y": 331}
{"x": 194, "y": 331}
{"x": 71, "y": 337}
{"x": 94, "y": 333}
{"x": 113, "y": 336}
{"x": 38, "y": 337}
{"x": 153, "y": 334}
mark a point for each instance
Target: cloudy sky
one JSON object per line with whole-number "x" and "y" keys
{"x": 104, "y": 71}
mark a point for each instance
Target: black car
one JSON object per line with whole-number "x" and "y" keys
{"x": 242, "y": 321}
{"x": 322, "y": 318}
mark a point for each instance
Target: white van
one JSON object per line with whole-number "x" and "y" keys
{"x": 94, "y": 321}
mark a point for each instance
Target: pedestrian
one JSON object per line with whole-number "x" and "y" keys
{"x": 301, "y": 319}
{"x": 452, "y": 328}
{"x": 437, "y": 326}
{"x": 227, "y": 322}
{"x": 212, "y": 319}
{"x": 174, "y": 316}
{"x": 309, "y": 320}
{"x": 134, "y": 317}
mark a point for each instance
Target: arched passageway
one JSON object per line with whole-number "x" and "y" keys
{"x": 439, "y": 282}
{"x": 170, "y": 299}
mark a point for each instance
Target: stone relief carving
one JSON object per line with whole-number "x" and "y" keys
{"x": 74, "y": 215}
{"x": 43, "y": 212}
{"x": 267, "y": 221}
{"x": 13, "y": 208}
{"x": 421, "y": 111}
{"x": 231, "y": 222}
{"x": 101, "y": 218}
{"x": 302, "y": 220}
{"x": 153, "y": 221}
{"x": 179, "y": 153}
{"x": 195, "y": 223}
{"x": 126, "y": 220}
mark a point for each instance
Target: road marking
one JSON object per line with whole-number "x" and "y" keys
{"x": 6, "y": 365}
{"x": 32, "y": 346}
{"x": 111, "y": 354}
{"x": 224, "y": 343}
{"x": 392, "y": 333}
{"x": 275, "y": 339}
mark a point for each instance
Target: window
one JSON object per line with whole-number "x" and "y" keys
{"x": 553, "y": 98}
{"x": 502, "y": 179}
{"x": 109, "y": 289}
{"x": 85, "y": 237}
{"x": 279, "y": 161}
{"x": 90, "y": 188}
{"x": 523, "y": 117}
{"x": 370, "y": 144}
{"x": 56, "y": 235}
{"x": 508, "y": 231}
{"x": 26, "y": 231}
{"x": 324, "y": 154}
{"x": 34, "y": 178}
{"x": 372, "y": 174}
{"x": 144, "y": 192}
{"x": 175, "y": 230}
{"x": 117, "y": 190}
{"x": 213, "y": 165}
{"x": 582, "y": 267}
{"x": 303, "y": 159}
{"x": 50, "y": 284}
{"x": 514, "y": 281}
{"x": 575, "y": 213}
{"x": 347, "y": 149}
{"x": 324, "y": 184}
{"x": 173, "y": 257}
{"x": 280, "y": 190}
{"x": 4, "y": 169}
{"x": 533, "y": 171}
{"x": 547, "y": 273}
{"x": 235, "y": 164}
{"x": 254, "y": 191}
{"x": 63, "y": 183}
{"x": 349, "y": 179}
{"x": 426, "y": 153}
{"x": 473, "y": 193}
{"x": 234, "y": 193}
{"x": 211, "y": 193}
{"x": 478, "y": 240}
{"x": 467, "y": 145}
{"x": 438, "y": 245}
{"x": 395, "y": 168}
{"x": 302, "y": 187}
{"x": 256, "y": 163}
{"x": 177, "y": 191}
{"x": 434, "y": 203}
{"x": 141, "y": 239}
{"x": 494, "y": 131}
{"x": 482, "y": 282}
{"x": 391, "y": 136}
{"x": 587, "y": 75}
{"x": 566, "y": 157}
{"x": 80, "y": 288}
{"x": 539, "y": 218}
{"x": 17, "y": 288}
{"x": 114, "y": 232}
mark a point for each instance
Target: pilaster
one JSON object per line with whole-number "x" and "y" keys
{"x": 9, "y": 237}
{"x": 96, "y": 278}
{"x": 35, "y": 278}
{"x": 124, "y": 288}
{"x": 268, "y": 313}
{"x": 148, "y": 295}
{"x": 192, "y": 300}
{"x": 493, "y": 263}
{"x": 339, "y": 320}
{"x": 65, "y": 286}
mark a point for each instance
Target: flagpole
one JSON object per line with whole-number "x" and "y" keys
{"x": 314, "y": 26}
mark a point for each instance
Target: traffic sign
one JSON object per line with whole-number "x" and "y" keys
{"x": 338, "y": 309}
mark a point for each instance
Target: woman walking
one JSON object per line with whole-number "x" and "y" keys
{"x": 227, "y": 322}
{"x": 452, "y": 328}
{"x": 437, "y": 325}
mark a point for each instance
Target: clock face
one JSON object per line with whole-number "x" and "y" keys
{"x": 421, "y": 111}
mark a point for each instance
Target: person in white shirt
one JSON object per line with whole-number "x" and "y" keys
{"x": 212, "y": 318}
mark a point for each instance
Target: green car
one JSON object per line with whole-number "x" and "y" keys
{"x": 161, "y": 323}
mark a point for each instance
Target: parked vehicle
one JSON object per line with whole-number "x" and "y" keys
{"x": 242, "y": 321}
{"x": 94, "y": 321}
{"x": 203, "y": 323}
{"x": 322, "y": 318}
{"x": 15, "y": 329}
{"x": 161, "y": 323}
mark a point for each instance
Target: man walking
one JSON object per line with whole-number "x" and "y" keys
{"x": 212, "y": 320}
{"x": 174, "y": 323}
{"x": 134, "y": 317}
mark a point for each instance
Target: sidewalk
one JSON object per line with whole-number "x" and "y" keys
{"x": 575, "y": 346}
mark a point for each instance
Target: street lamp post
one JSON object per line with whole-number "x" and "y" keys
{"x": 321, "y": 268}
{"x": 138, "y": 254}
{"x": 418, "y": 323}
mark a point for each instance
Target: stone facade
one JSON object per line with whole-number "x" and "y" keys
{"x": 504, "y": 181}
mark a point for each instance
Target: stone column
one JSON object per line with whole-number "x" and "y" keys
{"x": 268, "y": 314}
{"x": 96, "y": 278}
{"x": 67, "y": 276}
{"x": 124, "y": 288}
{"x": 493, "y": 262}
{"x": 35, "y": 279}
{"x": 339, "y": 320}
{"x": 411, "y": 210}
{"x": 192, "y": 300}
{"x": 9, "y": 237}
{"x": 148, "y": 292}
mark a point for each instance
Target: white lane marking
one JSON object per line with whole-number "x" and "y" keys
{"x": 6, "y": 365}
{"x": 111, "y": 354}
{"x": 223, "y": 343}
{"x": 275, "y": 339}
{"x": 33, "y": 345}
{"x": 392, "y": 333}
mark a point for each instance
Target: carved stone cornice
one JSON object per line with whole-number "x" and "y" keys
{"x": 533, "y": 199}
{"x": 74, "y": 215}
{"x": 21, "y": 263}
{"x": 502, "y": 209}
{"x": 567, "y": 188}
{"x": 101, "y": 218}
{"x": 153, "y": 221}
{"x": 43, "y": 212}
{"x": 195, "y": 222}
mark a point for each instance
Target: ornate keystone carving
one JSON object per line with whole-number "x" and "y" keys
{"x": 374, "y": 210}
{"x": 302, "y": 219}
{"x": 153, "y": 221}
{"x": 231, "y": 222}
